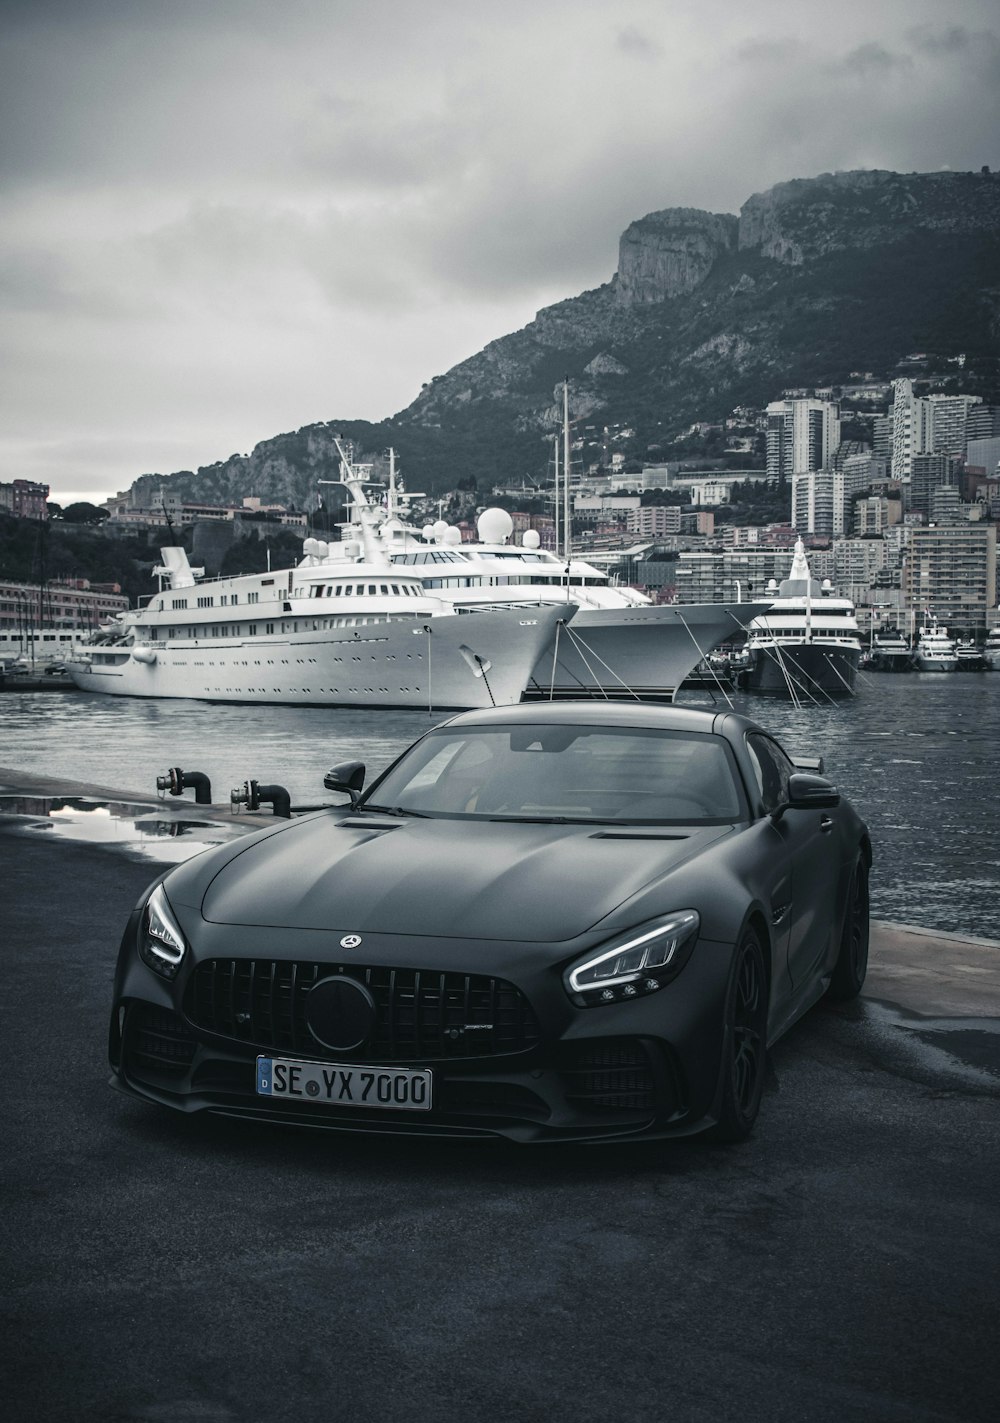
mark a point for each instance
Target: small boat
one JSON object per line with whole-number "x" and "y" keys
{"x": 935, "y": 651}
{"x": 806, "y": 646}
{"x": 991, "y": 650}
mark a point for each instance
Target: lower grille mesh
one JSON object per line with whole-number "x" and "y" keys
{"x": 610, "y": 1076}
{"x": 421, "y": 1014}
{"x": 158, "y": 1039}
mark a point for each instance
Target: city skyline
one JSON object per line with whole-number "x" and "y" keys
{"x": 221, "y": 224}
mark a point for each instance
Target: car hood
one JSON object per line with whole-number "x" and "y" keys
{"x": 446, "y": 878}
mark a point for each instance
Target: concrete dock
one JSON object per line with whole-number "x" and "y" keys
{"x": 842, "y": 1264}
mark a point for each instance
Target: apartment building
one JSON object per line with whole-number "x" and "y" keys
{"x": 951, "y": 570}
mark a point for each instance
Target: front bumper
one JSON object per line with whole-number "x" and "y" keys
{"x": 646, "y": 1067}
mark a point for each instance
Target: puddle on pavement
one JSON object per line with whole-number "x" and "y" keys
{"x": 141, "y": 829}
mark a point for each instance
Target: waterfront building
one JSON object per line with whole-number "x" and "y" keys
{"x": 951, "y": 570}
{"x": 43, "y": 619}
{"x": 721, "y": 577}
{"x": 857, "y": 563}
{"x": 24, "y": 499}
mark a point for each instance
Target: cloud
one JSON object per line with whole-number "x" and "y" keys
{"x": 225, "y": 220}
{"x": 633, "y": 42}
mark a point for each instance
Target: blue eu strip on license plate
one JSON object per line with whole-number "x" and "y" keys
{"x": 337, "y": 1084}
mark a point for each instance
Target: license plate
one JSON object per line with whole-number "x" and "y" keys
{"x": 337, "y": 1084}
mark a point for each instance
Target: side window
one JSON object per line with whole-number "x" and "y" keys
{"x": 772, "y": 769}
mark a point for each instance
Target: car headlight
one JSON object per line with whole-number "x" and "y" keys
{"x": 162, "y": 946}
{"x": 637, "y": 963}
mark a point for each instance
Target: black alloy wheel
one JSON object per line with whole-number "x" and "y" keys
{"x": 849, "y": 971}
{"x": 745, "y": 1047}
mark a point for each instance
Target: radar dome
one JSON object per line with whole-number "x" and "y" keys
{"x": 322, "y": 549}
{"x": 452, "y": 537}
{"x": 309, "y": 547}
{"x": 494, "y": 526}
{"x": 531, "y": 539}
{"x": 440, "y": 528}
{"x": 427, "y": 532}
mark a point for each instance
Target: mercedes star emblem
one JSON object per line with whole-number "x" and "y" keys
{"x": 350, "y": 941}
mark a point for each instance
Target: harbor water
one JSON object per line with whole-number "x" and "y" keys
{"x": 916, "y": 753}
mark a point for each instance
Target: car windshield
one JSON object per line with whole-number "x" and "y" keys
{"x": 565, "y": 773}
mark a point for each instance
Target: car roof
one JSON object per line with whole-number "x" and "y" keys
{"x": 606, "y": 713}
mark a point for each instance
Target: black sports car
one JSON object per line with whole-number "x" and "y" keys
{"x": 546, "y": 922}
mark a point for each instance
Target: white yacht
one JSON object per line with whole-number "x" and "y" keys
{"x": 358, "y": 633}
{"x": 807, "y": 643}
{"x": 617, "y": 642}
{"x": 935, "y": 651}
{"x": 991, "y": 650}
{"x": 890, "y": 652}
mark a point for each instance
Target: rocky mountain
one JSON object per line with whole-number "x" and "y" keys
{"x": 814, "y": 279}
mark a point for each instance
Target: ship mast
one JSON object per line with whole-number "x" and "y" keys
{"x": 567, "y": 526}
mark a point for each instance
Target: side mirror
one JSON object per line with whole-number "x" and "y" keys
{"x": 349, "y": 777}
{"x": 810, "y": 792}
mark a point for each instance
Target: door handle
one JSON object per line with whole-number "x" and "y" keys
{"x": 825, "y": 824}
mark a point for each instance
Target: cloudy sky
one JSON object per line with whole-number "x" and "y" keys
{"x": 223, "y": 219}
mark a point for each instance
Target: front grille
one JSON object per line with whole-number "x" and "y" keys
{"x": 159, "y": 1040}
{"x": 610, "y": 1076}
{"x": 421, "y": 1014}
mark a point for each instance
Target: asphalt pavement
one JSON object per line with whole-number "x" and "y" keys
{"x": 842, "y": 1264}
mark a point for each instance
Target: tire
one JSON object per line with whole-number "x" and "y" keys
{"x": 744, "y": 1048}
{"x": 849, "y": 971}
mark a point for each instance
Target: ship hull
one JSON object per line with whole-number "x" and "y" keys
{"x": 419, "y": 663}
{"x": 802, "y": 670}
{"x": 640, "y": 651}
{"x": 891, "y": 661}
{"x": 935, "y": 664}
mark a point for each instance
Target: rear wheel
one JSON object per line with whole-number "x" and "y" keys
{"x": 852, "y": 961}
{"x": 745, "y": 1044}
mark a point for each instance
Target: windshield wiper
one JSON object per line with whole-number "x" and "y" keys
{"x": 392, "y": 810}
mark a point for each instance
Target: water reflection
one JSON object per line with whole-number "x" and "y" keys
{"x": 134, "y": 827}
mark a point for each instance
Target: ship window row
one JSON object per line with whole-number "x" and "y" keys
{"x": 433, "y": 555}
{"x": 221, "y": 630}
{"x": 361, "y": 590}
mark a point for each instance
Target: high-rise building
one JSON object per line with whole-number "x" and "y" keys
{"x": 951, "y": 571}
{"x": 822, "y": 499}
{"x": 882, "y": 437}
{"x": 802, "y": 434}
{"x": 928, "y": 473}
{"x": 985, "y": 454}
{"x": 949, "y": 417}
{"x": 911, "y": 427}
{"x": 982, "y": 423}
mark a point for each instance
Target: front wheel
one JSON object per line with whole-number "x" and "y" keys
{"x": 745, "y": 1043}
{"x": 852, "y": 961}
